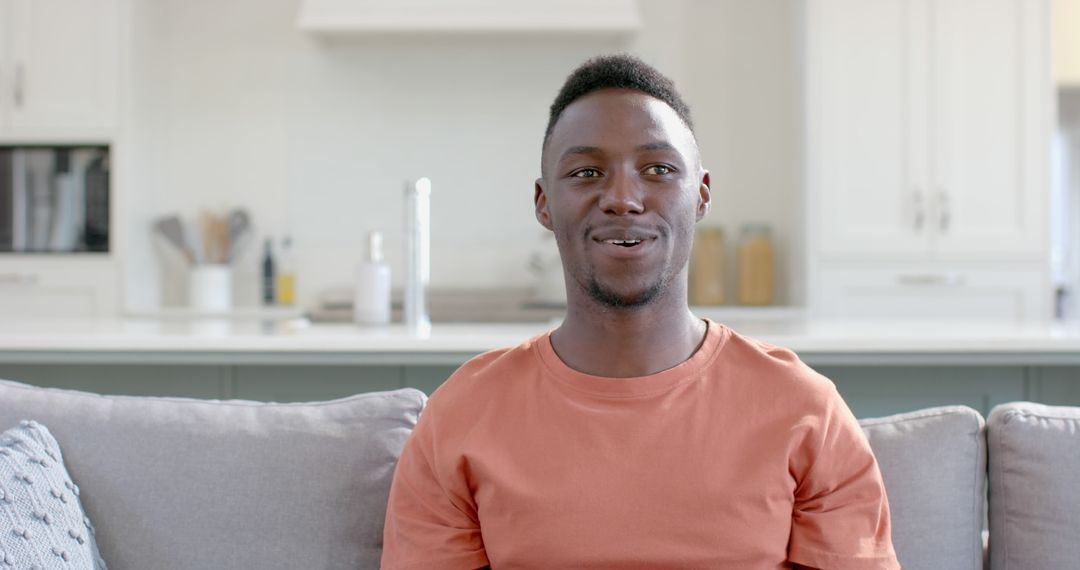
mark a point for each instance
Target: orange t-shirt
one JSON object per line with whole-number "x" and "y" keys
{"x": 740, "y": 457}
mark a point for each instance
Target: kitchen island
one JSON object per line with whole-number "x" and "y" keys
{"x": 879, "y": 367}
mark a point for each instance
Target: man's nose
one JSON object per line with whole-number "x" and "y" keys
{"x": 622, "y": 195}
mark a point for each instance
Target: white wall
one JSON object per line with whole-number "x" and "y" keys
{"x": 234, "y": 106}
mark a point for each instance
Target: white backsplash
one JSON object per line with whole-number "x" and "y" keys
{"x": 316, "y": 137}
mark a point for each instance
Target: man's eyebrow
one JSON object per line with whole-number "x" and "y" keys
{"x": 581, "y": 150}
{"x": 659, "y": 145}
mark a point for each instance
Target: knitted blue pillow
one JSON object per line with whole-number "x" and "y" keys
{"x": 42, "y": 524}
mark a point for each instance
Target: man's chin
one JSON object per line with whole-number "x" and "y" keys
{"x": 623, "y": 299}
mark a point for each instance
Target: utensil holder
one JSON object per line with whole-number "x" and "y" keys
{"x": 210, "y": 288}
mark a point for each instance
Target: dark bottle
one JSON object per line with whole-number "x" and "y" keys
{"x": 268, "y": 273}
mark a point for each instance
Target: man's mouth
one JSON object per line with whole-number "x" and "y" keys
{"x": 624, "y": 247}
{"x": 623, "y": 242}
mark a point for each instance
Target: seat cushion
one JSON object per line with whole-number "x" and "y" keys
{"x": 933, "y": 462}
{"x": 1034, "y": 486}
{"x": 182, "y": 483}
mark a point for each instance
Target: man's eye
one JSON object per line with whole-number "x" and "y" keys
{"x": 658, "y": 169}
{"x": 586, "y": 173}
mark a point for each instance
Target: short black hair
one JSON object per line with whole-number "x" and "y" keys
{"x": 617, "y": 71}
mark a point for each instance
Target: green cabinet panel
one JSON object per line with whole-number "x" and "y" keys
{"x": 127, "y": 379}
{"x": 1056, "y": 385}
{"x": 872, "y": 391}
{"x": 312, "y": 383}
{"x": 427, "y": 378}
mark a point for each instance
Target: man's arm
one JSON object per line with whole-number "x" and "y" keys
{"x": 841, "y": 513}
{"x": 431, "y": 519}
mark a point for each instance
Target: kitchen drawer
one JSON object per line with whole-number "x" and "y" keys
{"x": 932, "y": 291}
{"x": 57, "y": 286}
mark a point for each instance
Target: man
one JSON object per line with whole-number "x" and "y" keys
{"x": 635, "y": 435}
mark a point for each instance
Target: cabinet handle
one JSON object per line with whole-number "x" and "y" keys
{"x": 918, "y": 209}
{"x": 18, "y": 279}
{"x": 945, "y": 216}
{"x": 19, "y": 80}
{"x": 928, "y": 279}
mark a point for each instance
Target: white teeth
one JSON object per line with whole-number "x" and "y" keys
{"x": 622, "y": 241}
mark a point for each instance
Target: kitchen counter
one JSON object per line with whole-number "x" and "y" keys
{"x": 297, "y": 341}
{"x": 879, "y": 367}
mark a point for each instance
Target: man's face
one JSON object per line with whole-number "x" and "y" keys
{"x": 622, "y": 188}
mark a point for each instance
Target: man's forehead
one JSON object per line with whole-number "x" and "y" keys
{"x": 597, "y": 109}
{"x": 623, "y": 112}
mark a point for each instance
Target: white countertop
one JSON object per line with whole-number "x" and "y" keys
{"x": 245, "y": 335}
{"x": 981, "y": 342}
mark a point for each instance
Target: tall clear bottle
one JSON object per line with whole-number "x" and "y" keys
{"x": 417, "y": 254}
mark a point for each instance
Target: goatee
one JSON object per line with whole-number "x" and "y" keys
{"x": 611, "y": 299}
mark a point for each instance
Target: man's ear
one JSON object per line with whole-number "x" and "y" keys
{"x": 704, "y": 196}
{"x": 540, "y": 201}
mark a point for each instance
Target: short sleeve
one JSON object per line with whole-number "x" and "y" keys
{"x": 841, "y": 512}
{"x": 431, "y": 519}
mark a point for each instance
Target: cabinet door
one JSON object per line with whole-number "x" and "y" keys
{"x": 867, "y": 126}
{"x": 991, "y": 116}
{"x": 58, "y": 286}
{"x": 933, "y": 292}
{"x": 63, "y": 67}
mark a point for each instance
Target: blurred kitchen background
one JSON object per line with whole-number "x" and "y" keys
{"x": 894, "y": 159}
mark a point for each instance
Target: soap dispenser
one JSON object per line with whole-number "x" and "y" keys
{"x": 371, "y": 302}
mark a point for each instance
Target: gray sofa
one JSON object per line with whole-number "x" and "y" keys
{"x": 180, "y": 483}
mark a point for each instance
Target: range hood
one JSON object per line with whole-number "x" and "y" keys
{"x": 469, "y": 16}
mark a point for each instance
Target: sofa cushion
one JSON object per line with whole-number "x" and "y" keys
{"x": 181, "y": 483}
{"x": 1034, "y": 491}
{"x": 41, "y": 520}
{"x": 933, "y": 462}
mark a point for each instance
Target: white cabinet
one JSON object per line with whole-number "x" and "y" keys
{"x": 991, "y": 115}
{"x": 58, "y": 287}
{"x": 929, "y": 291}
{"x": 60, "y": 79}
{"x": 928, "y": 128}
{"x": 59, "y": 62}
{"x": 866, "y": 158}
{"x": 927, "y": 149}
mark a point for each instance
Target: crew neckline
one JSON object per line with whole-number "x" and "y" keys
{"x": 635, "y": 386}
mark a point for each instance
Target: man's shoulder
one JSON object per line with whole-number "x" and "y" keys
{"x": 776, "y": 368}
{"x": 486, "y": 374}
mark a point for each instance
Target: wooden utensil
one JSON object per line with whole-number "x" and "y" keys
{"x": 215, "y": 232}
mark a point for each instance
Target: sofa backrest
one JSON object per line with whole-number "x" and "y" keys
{"x": 181, "y": 483}
{"x": 1034, "y": 486}
{"x": 933, "y": 462}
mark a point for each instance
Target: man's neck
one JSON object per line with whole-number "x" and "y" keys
{"x": 623, "y": 343}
